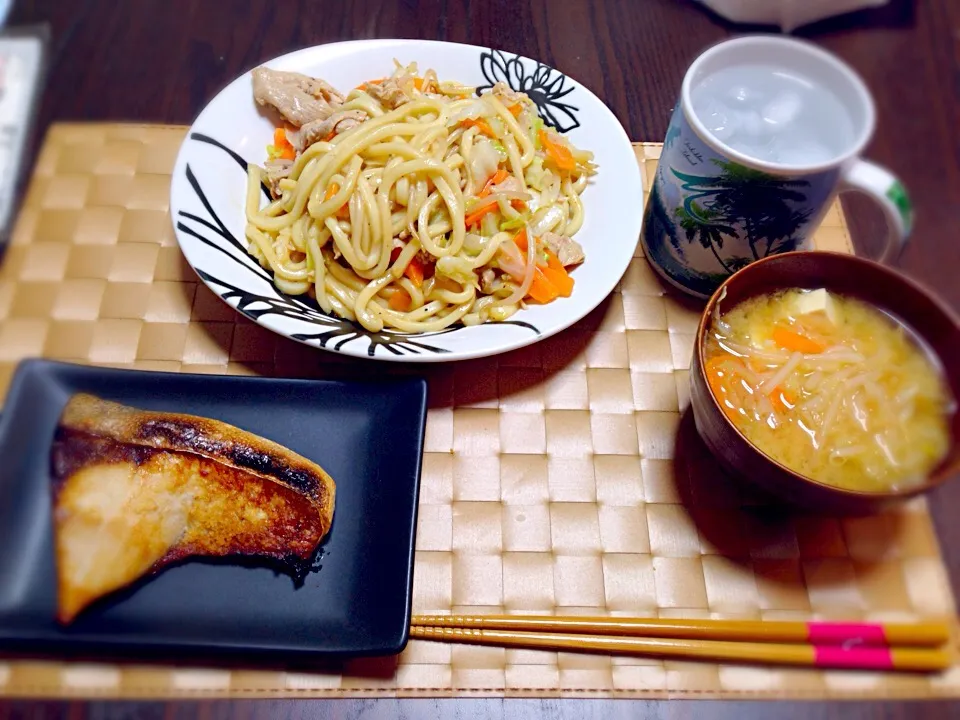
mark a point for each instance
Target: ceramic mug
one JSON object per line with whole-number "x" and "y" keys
{"x": 714, "y": 209}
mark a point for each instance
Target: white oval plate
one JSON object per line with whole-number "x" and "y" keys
{"x": 209, "y": 185}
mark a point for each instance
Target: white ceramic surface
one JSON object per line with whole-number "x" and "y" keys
{"x": 208, "y": 190}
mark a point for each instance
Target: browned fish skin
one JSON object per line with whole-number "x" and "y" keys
{"x": 211, "y": 438}
{"x": 126, "y": 509}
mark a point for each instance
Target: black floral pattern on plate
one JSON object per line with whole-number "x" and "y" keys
{"x": 332, "y": 332}
{"x": 545, "y": 86}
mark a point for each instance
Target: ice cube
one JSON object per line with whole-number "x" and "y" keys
{"x": 751, "y": 123}
{"x": 782, "y": 110}
{"x": 717, "y": 118}
{"x": 741, "y": 94}
{"x": 805, "y": 153}
{"x": 721, "y": 131}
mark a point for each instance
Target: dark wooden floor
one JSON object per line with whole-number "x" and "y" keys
{"x": 162, "y": 60}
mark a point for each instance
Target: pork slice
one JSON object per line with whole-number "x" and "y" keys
{"x": 507, "y": 95}
{"x": 337, "y": 123}
{"x": 299, "y": 98}
{"x": 567, "y": 250}
{"x": 487, "y": 279}
{"x": 388, "y": 93}
{"x": 277, "y": 170}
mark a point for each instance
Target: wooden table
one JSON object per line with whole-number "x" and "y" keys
{"x": 162, "y": 60}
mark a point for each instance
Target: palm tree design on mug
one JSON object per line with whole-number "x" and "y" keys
{"x": 762, "y": 205}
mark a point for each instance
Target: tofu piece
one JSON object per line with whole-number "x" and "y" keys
{"x": 818, "y": 303}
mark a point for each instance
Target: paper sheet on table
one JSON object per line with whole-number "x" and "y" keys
{"x": 787, "y": 14}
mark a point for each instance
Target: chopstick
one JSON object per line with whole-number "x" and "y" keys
{"x": 921, "y": 634}
{"x": 866, "y": 658}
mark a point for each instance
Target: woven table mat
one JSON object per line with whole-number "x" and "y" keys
{"x": 565, "y": 477}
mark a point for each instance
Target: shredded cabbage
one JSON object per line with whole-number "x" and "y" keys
{"x": 457, "y": 268}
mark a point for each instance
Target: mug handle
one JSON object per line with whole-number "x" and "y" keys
{"x": 884, "y": 187}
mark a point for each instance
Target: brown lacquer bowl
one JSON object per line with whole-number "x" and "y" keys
{"x": 847, "y": 275}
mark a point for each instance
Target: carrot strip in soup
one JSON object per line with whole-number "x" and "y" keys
{"x": 718, "y": 378}
{"x": 515, "y": 109}
{"x": 782, "y": 399}
{"x": 795, "y": 342}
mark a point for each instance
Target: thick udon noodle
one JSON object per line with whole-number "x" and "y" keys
{"x": 407, "y": 181}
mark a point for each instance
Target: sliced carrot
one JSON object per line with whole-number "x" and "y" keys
{"x": 498, "y": 177}
{"x": 560, "y": 279}
{"x": 332, "y": 189}
{"x": 476, "y": 215}
{"x": 400, "y": 301}
{"x": 557, "y": 274}
{"x": 418, "y": 83}
{"x": 795, "y": 342}
{"x": 330, "y": 135}
{"x": 363, "y": 86}
{"x": 515, "y": 109}
{"x": 482, "y": 125}
{"x": 280, "y": 142}
{"x": 414, "y": 271}
{"x": 553, "y": 261}
{"x": 517, "y": 204}
{"x": 520, "y": 240}
{"x": 541, "y": 289}
{"x": 557, "y": 152}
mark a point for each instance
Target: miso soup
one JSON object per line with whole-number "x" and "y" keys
{"x": 832, "y": 388}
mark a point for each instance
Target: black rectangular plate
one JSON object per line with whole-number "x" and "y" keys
{"x": 367, "y": 435}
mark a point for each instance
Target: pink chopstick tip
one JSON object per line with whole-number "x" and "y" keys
{"x": 858, "y": 658}
{"x": 846, "y": 634}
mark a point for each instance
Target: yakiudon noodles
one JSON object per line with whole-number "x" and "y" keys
{"x": 415, "y": 204}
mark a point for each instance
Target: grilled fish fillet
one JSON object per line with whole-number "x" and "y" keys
{"x": 135, "y": 491}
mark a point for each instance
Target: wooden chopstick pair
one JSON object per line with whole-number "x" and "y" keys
{"x": 869, "y": 646}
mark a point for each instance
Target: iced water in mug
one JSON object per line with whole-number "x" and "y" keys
{"x": 767, "y": 131}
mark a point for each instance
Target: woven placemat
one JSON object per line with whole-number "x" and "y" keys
{"x": 562, "y": 478}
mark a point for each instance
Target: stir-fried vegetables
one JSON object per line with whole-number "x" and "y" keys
{"x": 481, "y": 125}
{"x": 415, "y": 271}
{"x": 400, "y": 301}
{"x": 282, "y": 148}
{"x": 452, "y": 204}
{"x": 478, "y": 212}
{"x": 498, "y": 177}
{"x": 550, "y": 279}
{"x": 557, "y": 152}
